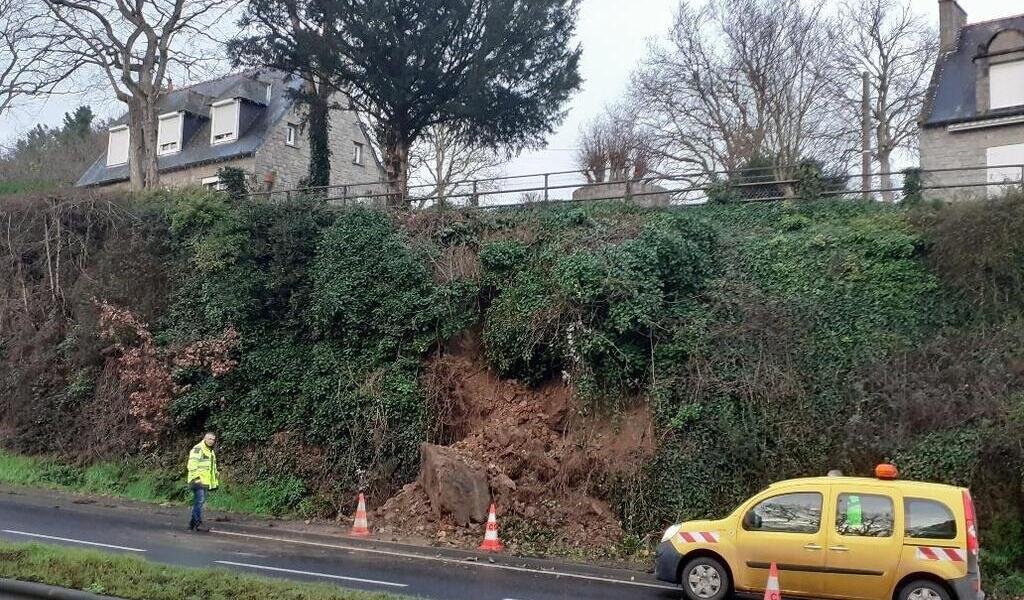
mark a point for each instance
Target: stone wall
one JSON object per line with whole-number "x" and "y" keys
{"x": 650, "y": 195}
{"x": 290, "y": 164}
{"x": 193, "y": 176}
{"x": 942, "y": 149}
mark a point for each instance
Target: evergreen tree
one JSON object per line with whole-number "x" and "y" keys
{"x": 78, "y": 125}
{"x": 502, "y": 70}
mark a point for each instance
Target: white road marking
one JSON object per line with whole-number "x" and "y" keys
{"x": 310, "y": 573}
{"x": 455, "y": 561}
{"x": 73, "y": 541}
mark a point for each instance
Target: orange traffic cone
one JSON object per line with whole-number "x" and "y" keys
{"x": 359, "y": 525}
{"x": 491, "y": 542}
{"x": 772, "y": 591}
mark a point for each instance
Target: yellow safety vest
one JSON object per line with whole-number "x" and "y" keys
{"x": 202, "y": 465}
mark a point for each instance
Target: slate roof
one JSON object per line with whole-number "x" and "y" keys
{"x": 255, "y": 125}
{"x": 952, "y": 96}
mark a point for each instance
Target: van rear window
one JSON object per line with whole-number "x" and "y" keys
{"x": 929, "y": 519}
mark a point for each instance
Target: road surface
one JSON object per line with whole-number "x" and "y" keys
{"x": 157, "y": 534}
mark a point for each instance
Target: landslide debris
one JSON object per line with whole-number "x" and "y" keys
{"x": 540, "y": 458}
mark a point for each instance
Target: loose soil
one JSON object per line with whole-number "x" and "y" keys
{"x": 544, "y": 458}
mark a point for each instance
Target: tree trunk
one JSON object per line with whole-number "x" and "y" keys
{"x": 885, "y": 162}
{"x": 319, "y": 124}
{"x": 396, "y": 165}
{"x": 143, "y": 172}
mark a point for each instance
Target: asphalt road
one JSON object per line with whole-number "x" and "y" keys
{"x": 158, "y": 534}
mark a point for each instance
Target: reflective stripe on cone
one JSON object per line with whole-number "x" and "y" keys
{"x": 771, "y": 592}
{"x": 360, "y": 526}
{"x": 491, "y": 542}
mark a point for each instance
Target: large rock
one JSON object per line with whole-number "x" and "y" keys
{"x": 455, "y": 484}
{"x": 642, "y": 194}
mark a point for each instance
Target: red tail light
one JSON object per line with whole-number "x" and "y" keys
{"x": 972, "y": 524}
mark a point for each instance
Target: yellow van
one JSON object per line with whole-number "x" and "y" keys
{"x": 833, "y": 537}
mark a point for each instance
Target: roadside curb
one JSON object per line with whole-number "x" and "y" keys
{"x": 26, "y": 589}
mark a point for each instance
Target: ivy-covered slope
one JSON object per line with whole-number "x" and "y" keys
{"x": 768, "y": 340}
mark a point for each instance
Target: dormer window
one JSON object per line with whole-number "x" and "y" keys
{"x": 224, "y": 126}
{"x": 1006, "y": 81}
{"x": 171, "y": 126}
{"x": 117, "y": 146}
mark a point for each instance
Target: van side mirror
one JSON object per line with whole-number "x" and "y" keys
{"x": 751, "y": 521}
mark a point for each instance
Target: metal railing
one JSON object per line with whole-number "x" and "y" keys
{"x": 676, "y": 189}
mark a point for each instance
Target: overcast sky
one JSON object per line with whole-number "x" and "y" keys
{"x": 614, "y": 35}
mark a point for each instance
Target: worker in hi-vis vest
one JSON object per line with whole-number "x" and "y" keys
{"x": 202, "y": 477}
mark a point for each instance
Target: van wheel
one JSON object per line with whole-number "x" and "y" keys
{"x": 705, "y": 578}
{"x": 923, "y": 589}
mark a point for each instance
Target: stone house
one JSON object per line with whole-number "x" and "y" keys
{"x": 973, "y": 118}
{"x": 248, "y": 121}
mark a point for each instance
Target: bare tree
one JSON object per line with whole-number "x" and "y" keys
{"x": 134, "y": 44}
{"x": 897, "y": 48}
{"x": 615, "y": 148}
{"x": 740, "y": 80}
{"x": 29, "y": 65}
{"x": 447, "y": 161}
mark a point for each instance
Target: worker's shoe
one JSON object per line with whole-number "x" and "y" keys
{"x": 201, "y": 527}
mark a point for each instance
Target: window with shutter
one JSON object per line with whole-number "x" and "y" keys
{"x": 169, "y": 133}
{"x": 1006, "y": 81}
{"x": 1006, "y": 168}
{"x": 117, "y": 146}
{"x": 224, "y": 126}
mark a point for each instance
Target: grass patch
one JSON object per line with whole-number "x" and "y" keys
{"x": 25, "y": 187}
{"x": 135, "y": 483}
{"x": 136, "y": 579}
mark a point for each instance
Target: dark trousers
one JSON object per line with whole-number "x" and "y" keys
{"x": 198, "y": 499}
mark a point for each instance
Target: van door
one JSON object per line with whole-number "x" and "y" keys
{"x": 865, "y": 537}
{"x": 783, "y": 526}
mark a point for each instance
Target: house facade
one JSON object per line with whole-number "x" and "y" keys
{"x": 247, "y": 121}
{"x": 973, "y": 119}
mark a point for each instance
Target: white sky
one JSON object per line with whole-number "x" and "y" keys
{"x": 614, "y": 35}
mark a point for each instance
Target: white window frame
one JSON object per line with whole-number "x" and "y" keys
{"x": 166, "y": 118}
{"x": 291, "y": 135}
{"x": 1001, "y": 175}
{"x": 230, "y": 137}
{"x": 213, "y": 183}
{"x": 127, "y": 145}
{"x": 1006, "y": 84}
{"x": 358, "y": 153}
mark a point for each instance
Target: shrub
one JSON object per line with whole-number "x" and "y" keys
{"x": 913, "y": 186}
{"x": 977, "y": 249}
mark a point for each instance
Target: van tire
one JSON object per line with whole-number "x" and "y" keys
{"x": 706, "y": 578}
{"x": 923, "y": 589}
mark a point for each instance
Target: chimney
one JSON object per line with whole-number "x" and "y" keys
{"x": 952, "y": 19}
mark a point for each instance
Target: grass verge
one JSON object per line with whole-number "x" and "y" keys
{"x": 24, "y": 186}
{"x": 136, "y": 483}
{"x": 136, "y": 579}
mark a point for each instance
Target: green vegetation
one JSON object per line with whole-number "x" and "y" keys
{"x": 770, "y": 340}
{"x": 135, "y": 481}
{"x": 46, "y": 158}
{"x": 136, "y": 579}
{"x": 24, "y": 187}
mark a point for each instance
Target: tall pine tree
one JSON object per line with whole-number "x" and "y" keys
{"x": 503, "y": 70}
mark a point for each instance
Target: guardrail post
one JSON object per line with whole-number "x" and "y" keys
{"x": 476, "y": 197}
{"x": 344, "y": 196}
{"x": 546, "y": 179}
{"x": 629, "y": 189}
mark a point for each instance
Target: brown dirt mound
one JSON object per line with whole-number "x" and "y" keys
{"x": 542, "y": 457}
